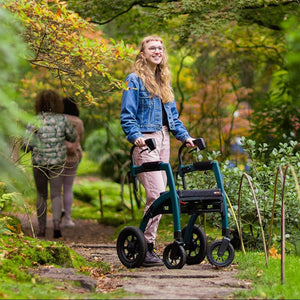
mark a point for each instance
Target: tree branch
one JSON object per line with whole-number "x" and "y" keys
{"x": 179, "y": 87}
{"x": 58, "y": 68}
{"x": 141, "y": 3}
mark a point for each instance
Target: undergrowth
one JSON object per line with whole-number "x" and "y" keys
{"x": 20, "y": 254}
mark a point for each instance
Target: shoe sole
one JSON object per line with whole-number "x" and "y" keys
{"x": 152, "y": 264}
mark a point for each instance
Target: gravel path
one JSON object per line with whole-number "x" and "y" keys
{"x": 92, "y": 240}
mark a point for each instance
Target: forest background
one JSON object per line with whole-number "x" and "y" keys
{"x": 235, "y": 67}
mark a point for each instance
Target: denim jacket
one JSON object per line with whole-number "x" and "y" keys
{"x": 141, "y": 114}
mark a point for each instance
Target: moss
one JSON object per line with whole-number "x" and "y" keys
{"x": 60, "y": 256}
{"x": 18, "y": 254}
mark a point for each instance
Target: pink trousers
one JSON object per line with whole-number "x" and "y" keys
{"x": 153, "y": 182}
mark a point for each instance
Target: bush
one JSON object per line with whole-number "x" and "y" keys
{"x": 262, "y": 172}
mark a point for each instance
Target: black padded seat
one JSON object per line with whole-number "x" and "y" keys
{"x": 200, "y": 195}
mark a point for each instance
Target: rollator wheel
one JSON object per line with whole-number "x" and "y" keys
{"x": 220, "y": 261}
{"x": 174, "y": 256}
{"x": 131, "y": 247}
{"x": 196, "y": 247}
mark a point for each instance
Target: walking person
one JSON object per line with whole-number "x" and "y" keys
{"x": 74, "y": 155}
{"x": 149, "y": 110}
{"x": 47, "y": 142}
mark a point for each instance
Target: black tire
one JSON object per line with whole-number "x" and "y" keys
{"x": 220, "y": 261}
{"x": 196, "y": 247}
{"x": 174, "y": 256}
{"x": 131, "y": 247}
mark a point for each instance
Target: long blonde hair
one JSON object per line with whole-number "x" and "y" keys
{"x": 160, "y": 83}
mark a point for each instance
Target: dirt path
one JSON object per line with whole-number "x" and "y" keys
{"x": 92, "y": 240}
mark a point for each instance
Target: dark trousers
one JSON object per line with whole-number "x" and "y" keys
{"x": 42, "y": 176}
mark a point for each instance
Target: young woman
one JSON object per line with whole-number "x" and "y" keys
{"x": 49, "y": 155}
{"x": 74, "y": 155}
{"x": 149, "y": 110}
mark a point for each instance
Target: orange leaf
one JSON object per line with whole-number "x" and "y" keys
{"x": 58, "y": 13}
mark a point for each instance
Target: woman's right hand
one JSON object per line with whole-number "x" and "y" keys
{"x": 140, "y": 142}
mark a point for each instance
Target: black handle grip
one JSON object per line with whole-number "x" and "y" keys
{"x": 151, "y": 144}
{"x": 197, "y": 166}
{"x": 199, "y": 143}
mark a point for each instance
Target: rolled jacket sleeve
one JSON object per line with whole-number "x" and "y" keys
{"x": 129, "y": 110}
{"x": 176, "y": 126}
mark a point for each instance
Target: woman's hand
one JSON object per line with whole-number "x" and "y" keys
{"x": 140, "y": 142}
{"x": 189, "y": 143}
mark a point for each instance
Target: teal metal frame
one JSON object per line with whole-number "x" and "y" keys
{"x": 163, "y": 199}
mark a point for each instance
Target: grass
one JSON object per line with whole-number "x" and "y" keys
{"x": 111, "y": 210}
{"x": 266, "y": 281}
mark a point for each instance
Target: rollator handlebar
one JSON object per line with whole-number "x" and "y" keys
{"x": 199, "y": 143}
{"x": 151, "y": 145}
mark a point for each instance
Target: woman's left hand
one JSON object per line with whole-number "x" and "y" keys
{"x": 189, "y": 143}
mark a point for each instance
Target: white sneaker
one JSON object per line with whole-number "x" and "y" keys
{"x": 68, "y": 223}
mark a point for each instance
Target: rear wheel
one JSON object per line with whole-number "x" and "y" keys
{"x": 196, "y": 247}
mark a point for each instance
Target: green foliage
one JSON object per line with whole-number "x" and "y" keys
{"x": 12, "y": 65}
{"x": 262, "y": 171}
{"x": 25, "y": 252}
{"x": 122, "y": 20}
{"x": 266, "y": 281}
{"x": 3, "y": 195}
{"x": 9, "y": 224}
{"x": 89, "y": 192}
{"x": 103, "y": 141}
{"x": 277, "y": 117}
{"x": 185, "y": 19}
{"x": 87, "y": 167}
{"x": 115, "y": 210}
{"x": 108, "y": 147}
{"x": 292, "y": 27}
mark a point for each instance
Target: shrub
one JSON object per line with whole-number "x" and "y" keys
{"x": 262, "y": 172}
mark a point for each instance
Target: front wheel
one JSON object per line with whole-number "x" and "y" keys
{"x": 131, "y": 247}
{"x": 214, "y": 256}
{"x": 174, "y": 256}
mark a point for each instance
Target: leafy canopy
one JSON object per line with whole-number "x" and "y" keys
{"x": 70, "y": 46}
